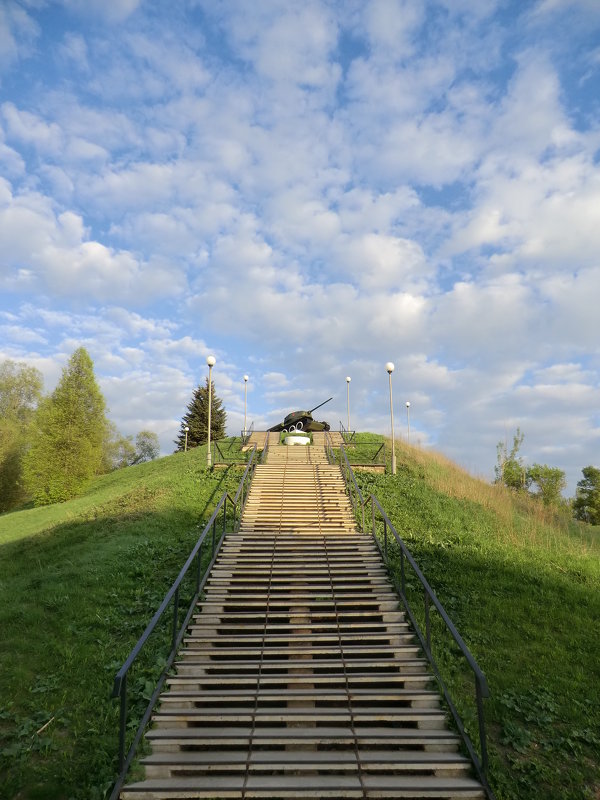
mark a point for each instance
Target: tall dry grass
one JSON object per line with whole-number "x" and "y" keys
{"x": 524, "y": 521}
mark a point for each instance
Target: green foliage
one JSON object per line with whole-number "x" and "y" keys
{"x": 147, "y": 447}
{"x": 550, "y": 482}
{"x": 510, "y": 469}
{"x": 118, "y": 450}
{"x": 196, "y": 419}
{"x": 20, "y": 390}
{"x": 586, "y": 505}
{"x": 70, "y": 427}
{"x": 511, "y": 472}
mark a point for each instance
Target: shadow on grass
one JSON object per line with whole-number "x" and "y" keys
{"x": 73, "y": 602}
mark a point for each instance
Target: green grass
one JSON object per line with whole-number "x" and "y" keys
{"x": 522, "y": 586}
{"x": 78, "y": 583}
{"x": 80, "y": 580}
{"x": 365, "y": 449}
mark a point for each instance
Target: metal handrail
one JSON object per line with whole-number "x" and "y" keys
{"x": 329, "y": 448}
{"x": 481, "y": 685}
{"x": 356, "y": 497}
{"x": 223, "y": 449}
{"x": 177, "y": 633}
{"x": 263, "y": 457}
{"x": 347, "y": 435}
{"x": 247, "y": 434}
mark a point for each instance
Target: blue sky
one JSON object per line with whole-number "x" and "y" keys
{"x": 307, "y": 191}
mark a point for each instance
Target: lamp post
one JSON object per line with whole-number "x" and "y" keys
{"x": 245, "y": 400}
{"x": 408, "y": 420}
{"x": 389, "y": 368}
{"x": 187, "y": 430}
{"x": 211, "y": 361}
{"x": 348, "y": 401}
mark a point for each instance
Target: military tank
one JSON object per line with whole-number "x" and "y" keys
{"x": 302, "y": 421}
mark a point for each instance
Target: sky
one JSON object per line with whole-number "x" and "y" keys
{"x": 307, "y": 191}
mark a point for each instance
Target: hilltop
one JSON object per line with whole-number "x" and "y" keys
{"x": 79, "y": 581}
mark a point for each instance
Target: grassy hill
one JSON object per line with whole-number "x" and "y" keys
{"x": 79, "y": 581}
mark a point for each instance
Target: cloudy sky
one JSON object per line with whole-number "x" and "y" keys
{"x": 308, "y": 190}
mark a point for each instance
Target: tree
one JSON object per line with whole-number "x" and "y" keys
{"x": 550, "y": 482}
{"x": 196, "y": 419}
{"x": 147, "y": 447}
{"x": 510, "y": 469}
{"x": 20, "y": 391}
{"x": 70, "y": 434}
{"x": 586, "y": 505}
{"x": 118, "y": 450}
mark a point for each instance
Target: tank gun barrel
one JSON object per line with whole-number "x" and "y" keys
{"x": 320, "y": 404}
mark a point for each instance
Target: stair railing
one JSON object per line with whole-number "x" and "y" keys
{"x": 263, "y": 457}
{"x": 347, "y": 435}
{"x": 247, "y": 434}
{"x": 480, "y": 762}
{"x": 208, "y": 537}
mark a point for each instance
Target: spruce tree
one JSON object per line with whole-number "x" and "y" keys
{"x": 70, "y": 432}
{"x": 196, "y": 419}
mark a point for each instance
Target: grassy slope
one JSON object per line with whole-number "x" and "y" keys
{"x": 78, "y": 583}
{"x": 523, "y": 590}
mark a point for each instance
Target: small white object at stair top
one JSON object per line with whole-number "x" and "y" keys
{"x": 289, "y": 440}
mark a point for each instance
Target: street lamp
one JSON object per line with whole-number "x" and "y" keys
{"x": 389, "y": 368}
{"x": 187, "y": 430}
{"x": 408, "y": 420}
{"x": 211, "y": 361}
{"x": 348, "y": 400}
{"x": 245, "y": 400}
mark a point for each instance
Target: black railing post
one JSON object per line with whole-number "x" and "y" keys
{"x": 199, "y": 573}
{"x": 175, "y": 619}
{"x": 122, "y": 722}
{"x": 481, "y": 720}
{"x": 372, "y": 517}
{"x": 402, "y": 573}
{"x": 385, "y": 540}
{"x": 427, "y": 625}
{"x": 214, "y": 531}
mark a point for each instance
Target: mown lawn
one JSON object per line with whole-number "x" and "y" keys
{"x": 523, "y": 589}
{"x": 78, "y": 583}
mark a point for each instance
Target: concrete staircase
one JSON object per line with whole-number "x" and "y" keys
{"x": 300, "y": 677}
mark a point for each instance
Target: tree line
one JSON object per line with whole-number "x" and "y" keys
{"x": 547, "y": 483}
{"x": 52, "y": 445}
